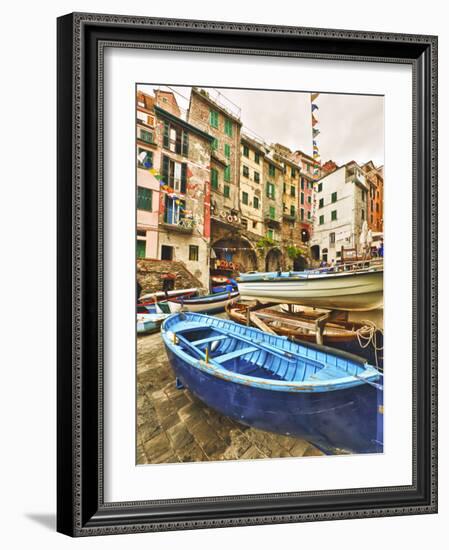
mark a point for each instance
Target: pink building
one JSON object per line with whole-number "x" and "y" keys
{"x": 148, "y": 187}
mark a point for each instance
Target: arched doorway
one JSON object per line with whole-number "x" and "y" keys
{"x": 233, "y": 255}
{"x": 315, "y": 252}
{"x": 273, "y": 260}
{"x": 299, "y": 263}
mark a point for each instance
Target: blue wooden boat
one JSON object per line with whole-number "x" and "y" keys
{"x": 330, "y": 398}
{"x": 211, "y": 303}
{"x": 149, "y": 322}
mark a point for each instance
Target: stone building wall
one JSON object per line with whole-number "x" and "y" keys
{"x": 151, "y": 274}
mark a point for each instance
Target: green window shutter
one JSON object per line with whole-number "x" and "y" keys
{"x": 320, "y": 187}
{"x": 166, "y": 139}
{"x": 257, "y": 177}
{"x": 292, "y": 210}
{"x": 321, "y": 203}
{"x": 255, "y": 202}
{"x": 302, "y": 214}
{"x": 334, "y": 197}
{"x": 272, "y": 212}
{"x": 321, "y": 220}
{"x": 226, "y": 191}
{"x": 293, "y": 191}
{"x": 214, "y": 178}
{"x": 245, "y": 151}
{"x": 144, "y": 199}
{"x": 227, "y": 150}
{"x": 302, "y": 198}
{"x": 333, "y": 215}
{"x": 309, "y": 215}
{"x": 214, "y": 144}
{"x": 140, "y": 248}
{"x": 227, "y": 173}
{"x": 245, "y": 197}
{"x": 228, "y": 127}
{"x": 178, "y": 141}
{"x": 256, "y": 158}
{"x": 183, "y": 177}
{"x": 271, "y": 170}
{"x": 185, "y": 144}
{"x": 213, "y": 118}
{"x": 165, "y": 169}
{"x": 270, "y": 234}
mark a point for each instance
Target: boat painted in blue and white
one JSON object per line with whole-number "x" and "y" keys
{"x": 330, "y": 398}
{"x": 149, "y": 322}
{"x": 211, "y": 303}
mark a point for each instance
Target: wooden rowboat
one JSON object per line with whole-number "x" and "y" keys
{"x": 299, "y": 326}
{"x": 330, "y": 398}
{"x": 211, "y": 303}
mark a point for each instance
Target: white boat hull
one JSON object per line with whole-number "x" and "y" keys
{"x": 207, "y": 308}
{"x": 348, "y": 291}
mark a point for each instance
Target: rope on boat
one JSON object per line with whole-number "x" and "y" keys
{"x": 367, "y": 335}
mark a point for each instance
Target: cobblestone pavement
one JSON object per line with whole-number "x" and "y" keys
{"x": 174, "y": 426}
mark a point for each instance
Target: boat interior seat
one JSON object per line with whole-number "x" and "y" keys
{"x": 234, "y": 354}
{"x": 209, "y": 339}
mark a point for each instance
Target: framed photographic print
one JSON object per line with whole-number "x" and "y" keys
{"x": 246, "y": 274}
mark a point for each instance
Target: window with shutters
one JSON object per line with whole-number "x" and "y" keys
{"x": 214, "y": 144}
{"x": 292, "y": 190}
{"x": 270, "y": 234}
{"x": 226, "y": 191}
{"x": 334, "y": 196}
{"x": 293, "y": 172}
{"x": 321, "y": 203}
{"x": 144, "y": 158}
{"x": 244, "y": 197}
{"x": 246, "y": 151}
{"x": 193, "y": 253}
{"x": 320, "y": 187}
{"x": 270, "y": 190}
{"x": 272, "y": 213}
{"x": 321, "y": 220}
{"x": 334, "y": 215}
{"x": 213, "y": 118}
{"x": 256, "y": 158}
{"x": 174, "y": 174}
{"x": 175, "y": 139}
{"x": 227, "y": 173}
{"x": 246, "y": 171}
{"x": 141, "y": 248}
{"x": 292, "y": 210}
{"x": 302, "y": 198}
{"x": 301, "y": 213}
{"x": 144, "y": 199}
{"x": 271, "y": 170}
{"x": 302, "y": 184}
{"x": 309, "y": 215}
{"x": 146, "y": 136}
{"x": 227, "y": 150}
{"x": 174, "y": 210}
{"x": 214, "y": 178}
{"x": 228, "y": 127}
{"x": 256, "y": 202}
{"x": 257, "y": 177}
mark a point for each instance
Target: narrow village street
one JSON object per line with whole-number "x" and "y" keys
{"x": 174, "y": 426}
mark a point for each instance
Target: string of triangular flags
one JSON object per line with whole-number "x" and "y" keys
{"x": 315, "y": 149}
{"x": 163, "y": 186}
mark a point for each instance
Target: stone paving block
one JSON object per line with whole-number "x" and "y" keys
{"x": 191, "y": 452}
{"x": 157, "y": 446}
{"x": 299, "y": 448}
{"x": 253, "y": 452}
{"x": 149, "y": 429}
{"x": 179, "y": 436}
{"x": 313, "y": 451}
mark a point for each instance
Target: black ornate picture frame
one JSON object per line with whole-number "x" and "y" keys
{"x": 81, "y": 508}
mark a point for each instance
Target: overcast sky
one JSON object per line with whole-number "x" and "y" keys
{"x": 351, "y": 126}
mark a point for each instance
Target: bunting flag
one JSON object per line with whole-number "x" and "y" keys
{"x": 315, "y": 132}
{"x": 314, "y": 121}
{"x": 314, "y": 96}
{"x": 314, "y": 107}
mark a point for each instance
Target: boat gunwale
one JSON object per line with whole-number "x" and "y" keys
{"x": 369, "y": 375}
{"x": 311, "y": 276}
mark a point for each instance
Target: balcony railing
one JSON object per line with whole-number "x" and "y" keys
{"x": 184, "y": 225}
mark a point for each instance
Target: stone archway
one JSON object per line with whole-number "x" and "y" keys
{"x": 236, "y": 252}
{"x": 300, "y": 264}
{"x": 315, "y": 252}
{"x": 273, "y": 260}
